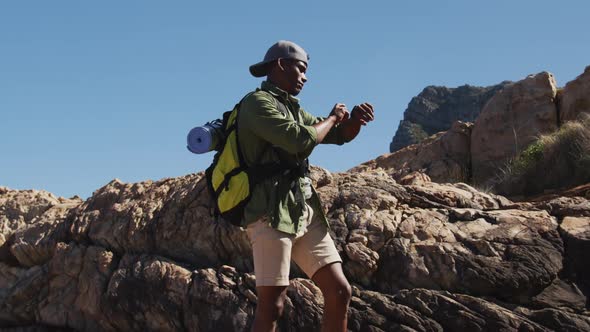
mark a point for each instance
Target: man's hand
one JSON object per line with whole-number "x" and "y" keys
{"x": 350, "y": 123}
{"x": 362, "y": 113}
{"x": 341, "y": 112}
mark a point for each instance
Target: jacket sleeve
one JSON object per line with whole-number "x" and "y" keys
{"x": 259, "y": 114}
{"x": 333, "y": 137}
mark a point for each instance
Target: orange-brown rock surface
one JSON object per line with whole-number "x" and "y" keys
{"x": 511, "y": 120}
{"x": 421, "y": 257}
{"x": 575, "y": 98}
{"x": 444, "y": 157}
{"x": 516, "y": 115}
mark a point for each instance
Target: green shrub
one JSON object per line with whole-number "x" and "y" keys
{"x": 554, "y": 161}
{"x": 529, "y": 158}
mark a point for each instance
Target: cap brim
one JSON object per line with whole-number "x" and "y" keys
{"x": 259, "y": 69}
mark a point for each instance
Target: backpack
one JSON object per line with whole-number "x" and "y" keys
{"x": 229, "y": 180}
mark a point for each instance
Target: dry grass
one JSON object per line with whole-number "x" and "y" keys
{"x": 555, "y": 161}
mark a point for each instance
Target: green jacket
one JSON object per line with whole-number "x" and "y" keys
{"x": 261, "y": 126}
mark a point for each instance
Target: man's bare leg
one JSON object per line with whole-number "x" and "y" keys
{"x": 337, "y": 293}
{"x": 269, "y": 307}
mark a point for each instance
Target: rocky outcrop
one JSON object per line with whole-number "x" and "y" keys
{"x": 444, "y": 157}
{"x": 423, "y": 257}
{"x": 575, "y": 98}
{"x": 436, "y": 108}
{"x": 21, "y": 209}
{"x": 512, "y": 119}
{"x": 515, "y": 115}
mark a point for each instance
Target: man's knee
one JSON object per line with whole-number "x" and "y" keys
{"x": 341, "y": 292}
{"x": 271, "y": 306}
{"x": 333, "y": 284}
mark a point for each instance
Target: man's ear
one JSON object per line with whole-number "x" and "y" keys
{"x": 281, "y": 63}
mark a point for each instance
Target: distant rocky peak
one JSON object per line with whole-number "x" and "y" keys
{"x": 437, "y": 107}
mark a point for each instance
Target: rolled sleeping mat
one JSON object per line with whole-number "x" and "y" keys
{"x": 205, "y": 138}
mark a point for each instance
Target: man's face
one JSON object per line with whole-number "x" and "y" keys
{"x": 294, "y": 75}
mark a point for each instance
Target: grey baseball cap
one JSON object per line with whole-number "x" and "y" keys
{"x": 282, "y": 49}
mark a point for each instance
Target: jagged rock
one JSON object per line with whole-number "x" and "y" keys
{"x": 436, "y": 108}
{"x": 362, "y": 262}
{"x": 576, "y": 237}
{"x": 63, "y": 292}
{"x": 147, "y": 293}
{"x": 150, "y": 293}
{"x": 415, "y": 178}
{"x": 459, "y": 241}
{"x": 575, "y": 98}
{"x": 458, "y": 195}
{"x": 36, "y": 244}
{"x": 423, "y": 257}
{"x": 320, "y": 176}
{"x": 21, "y": 210}
{"x": 444, "y": 157}
{"x": 372, "y": 311}
{"x": 566, "y": 206}
{"x": 511, "y": 120}
{"x": 484, "y": 256}
{"x": 456, "y": 312}
{"x": 172, "y": 217}
{"x": 561, "y": 294}
{"x": 557, "y": 320}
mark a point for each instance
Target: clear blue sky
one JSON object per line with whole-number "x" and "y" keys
{"x": 96, "y": 90}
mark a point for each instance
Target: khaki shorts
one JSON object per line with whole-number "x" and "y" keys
{"x": 273, "y": 250}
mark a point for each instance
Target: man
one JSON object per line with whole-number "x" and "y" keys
{"x": 284, "y": 218}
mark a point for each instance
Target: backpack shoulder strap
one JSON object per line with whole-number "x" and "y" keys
{"x": 238, "y": 145}
{"x": 280, "y": 106}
